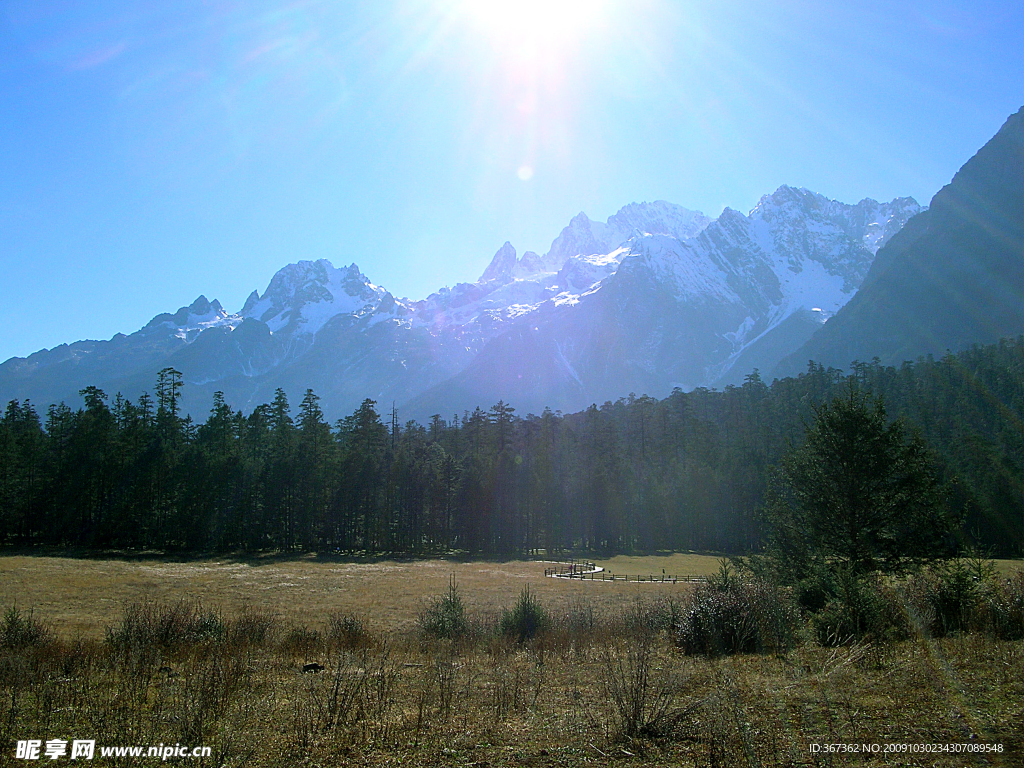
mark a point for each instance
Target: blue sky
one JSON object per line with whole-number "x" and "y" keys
{"x": 153, "y": 151}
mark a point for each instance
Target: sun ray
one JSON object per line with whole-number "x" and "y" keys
{"x": 527, "y": 21}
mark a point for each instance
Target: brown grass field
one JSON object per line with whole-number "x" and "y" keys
{"x": 603, "y": 685}
{"x": 83, "y": 596}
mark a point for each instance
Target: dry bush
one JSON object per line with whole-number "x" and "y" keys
{"x": 167, "y": 627}
{"x": 658, "y": 615}
{"x": 737, "y": 616}
{"x": 347, "y": 631}
{"x": 507, "y": 682}
{"x": 301, "y": 641}
{"x": 324, "y": 702}
{"x": 641, "y": 693}
{"x": 203, "y": 693}
{"x": 1004, "y": 608}
{"x": 573, "y": 630}
{"x": 252, "y": 628}
{"x": 382, "y": 670}
{"x": 446, "y": 671}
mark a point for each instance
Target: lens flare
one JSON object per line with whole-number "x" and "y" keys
{"x": 525, "y": 20}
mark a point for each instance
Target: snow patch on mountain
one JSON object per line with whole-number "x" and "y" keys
{"x": 684, "y": 268}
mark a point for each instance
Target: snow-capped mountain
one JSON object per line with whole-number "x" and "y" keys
{"x": 656, "y": 297}
{"x": 679, "y": 311}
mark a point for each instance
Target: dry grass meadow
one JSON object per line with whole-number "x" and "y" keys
{"x": 149, "y": 651}
{"x": 83, "y": 596}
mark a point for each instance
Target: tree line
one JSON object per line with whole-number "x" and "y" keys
{"x": 690, "y": 471}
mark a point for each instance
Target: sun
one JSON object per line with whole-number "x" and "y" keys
{"x": 525, "y": 21}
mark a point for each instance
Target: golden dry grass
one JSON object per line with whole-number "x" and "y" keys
{"x": 83, "y": 596}
{"x": 485, "y": 703}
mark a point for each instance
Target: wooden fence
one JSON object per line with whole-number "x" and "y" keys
{"x": 587, "y": 571}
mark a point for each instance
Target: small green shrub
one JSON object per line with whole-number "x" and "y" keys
{"x": 956, "y": 596}
{"x": 446, "y": 617}
{"x": 966, "y": 595}
{"x": 22, "y": 630}
{"x": 526, "y": 619}
{"x": 858, "y": 607}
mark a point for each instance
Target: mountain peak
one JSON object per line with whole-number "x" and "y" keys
{"x": 658, "y": 218}
{"x": 988, "y": 187}
{"x": 250, "y": 302}
{"x": 787, "y": 197}
{"x": 307, "y": 294}
{"x": 200, "y": 311}
{"x": 501, "y": 266}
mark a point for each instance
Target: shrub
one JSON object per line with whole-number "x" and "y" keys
{"x": 641, "y": 693}
{"x": 20, "y": 630}
{"x": 446, "y": 615}
{"x": 1004, "y": 608}
{"x": 572, "y": 628}
{"x": 167, "y": 627}
{"x": 526, "y": 618}
{"x": 301, "y": 640}
{"x": 966, "y": 595}
{"x": 960, "y": 595}
{"x": 858, "y": 607}
{"x": 578, "y": 618}
{"x": 252, "y": 628}
{"x": 728, "y": 615}
{"x": 958, "y": 589}
{"x": 663, "y": 613}
{"x": 347, "y": 631}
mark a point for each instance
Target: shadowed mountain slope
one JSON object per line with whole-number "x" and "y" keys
{"x": 953, "y": 277}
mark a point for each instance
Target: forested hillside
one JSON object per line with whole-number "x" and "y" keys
{"x": 686, "y": 472}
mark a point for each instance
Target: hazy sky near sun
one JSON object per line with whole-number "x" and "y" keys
{"x": 154, "y": 150}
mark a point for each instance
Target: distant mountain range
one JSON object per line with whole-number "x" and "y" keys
{"x": 656, "y": 297}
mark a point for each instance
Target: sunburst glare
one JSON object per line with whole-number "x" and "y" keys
{"x": 525, "y": 22}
